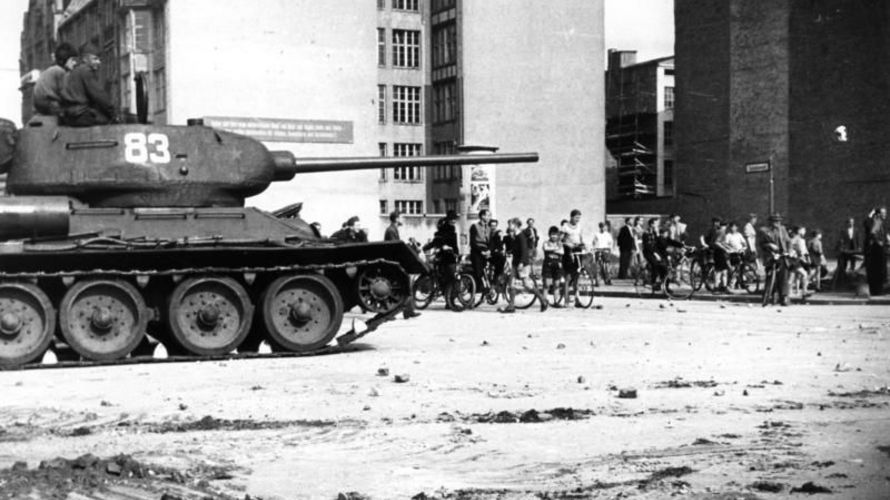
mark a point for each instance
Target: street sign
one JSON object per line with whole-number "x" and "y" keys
{"x": 753, "y": 168}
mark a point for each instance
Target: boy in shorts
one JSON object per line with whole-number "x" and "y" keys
{"x": 552, "y": 275}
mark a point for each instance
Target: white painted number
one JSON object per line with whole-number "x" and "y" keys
{"x": 136, "y": 148}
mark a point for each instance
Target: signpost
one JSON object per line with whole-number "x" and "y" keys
{"x": 754, "y": 168}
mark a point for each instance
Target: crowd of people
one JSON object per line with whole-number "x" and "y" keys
{"x": 72, "y": 90}
{"x": 796, "y": 254}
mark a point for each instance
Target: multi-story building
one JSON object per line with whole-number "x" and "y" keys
{"x": 763, "y": 89}
{"x": 403, "y": 79}
{"x": 640, "y": 124}
{"x": 399, "y": 78}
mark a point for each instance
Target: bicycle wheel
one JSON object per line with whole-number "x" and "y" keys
{"x": 464, "y": 291}
{"x": 710, "y": 275}
{"x": 750, "y": 280}
{"x": 424, "y": 290}
{"x": 696, "y": 275}
{"x": 678, "y": 284}
{"x": 584, "y": 290}
{"x": 522, "y": 298}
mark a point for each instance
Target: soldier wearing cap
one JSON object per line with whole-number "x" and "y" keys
{"x": 775, "y": 242}
{"x": 85, "y": 101}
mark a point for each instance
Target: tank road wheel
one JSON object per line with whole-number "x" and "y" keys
{"x": 27, "y": 323}
{"x": 302, "y": 312}
{"x": 103, "y": 319}
{"x": 382, "y": 288}
{"x": 209, "y": 315}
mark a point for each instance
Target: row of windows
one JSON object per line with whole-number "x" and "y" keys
{"x": 405, "y": 48}
{"x": 410, "y": 207}
{"x": 669, "y": 97}
{"x": 406, "y": 105}
{"x": 440, "y": 5}
{"x": 444, "y": 44}
{"x": 409, "y": 5}
{"x": 401, "y": 150}
{"x": 445, "y": 107}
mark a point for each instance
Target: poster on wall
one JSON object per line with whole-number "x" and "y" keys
{"x": 480, "y": 188}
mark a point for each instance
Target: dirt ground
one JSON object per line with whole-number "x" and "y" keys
{"x": 731, "y": 401}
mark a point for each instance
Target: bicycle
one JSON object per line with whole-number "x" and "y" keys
{"x": 494, "y": 288}
{"x": 679, "y": 282}
{"x": 743, "y": 274}
{"x": 602, "y": 266}
{"x": 426, "y": 288}
{"x": 581, "y": 281}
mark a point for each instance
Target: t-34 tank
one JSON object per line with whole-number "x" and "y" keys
{"x": 113, "y": 231}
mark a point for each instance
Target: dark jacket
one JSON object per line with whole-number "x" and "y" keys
{"x": 83, "y": 89}
{"x": 349, "y": 234}
{"x": 625, "y": 239}
{"x": 445, "y": 236}
{"x": 847, "y": 244}
{"x": 480, "y": 238}
{"x": 770, "y": 237}
{"x": 531, "y": 236}
{"x": 520, "y": 249}
{"x": 392, "y": 233}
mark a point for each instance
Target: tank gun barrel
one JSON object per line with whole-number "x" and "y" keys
{"x": 286, "y": 165}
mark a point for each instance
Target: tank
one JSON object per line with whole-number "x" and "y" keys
{"x": 114, "y": 234}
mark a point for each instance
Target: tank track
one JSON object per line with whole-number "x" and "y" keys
{"x": 342, "y": 341}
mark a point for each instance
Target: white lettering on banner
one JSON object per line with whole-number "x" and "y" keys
{"x": 137, "y": 150}
{"x": 283, "y": 130}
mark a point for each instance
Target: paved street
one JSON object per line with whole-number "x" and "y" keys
{"x": 729, "y": 399}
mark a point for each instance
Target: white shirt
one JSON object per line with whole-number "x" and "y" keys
{"x": 574, "y": 235}
{"x": 735, "y": 242}
{"x": 602, "y": 241}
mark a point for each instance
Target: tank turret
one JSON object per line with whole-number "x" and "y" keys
{"x": 115, "y": 231}
{"x": 128, "y": 166}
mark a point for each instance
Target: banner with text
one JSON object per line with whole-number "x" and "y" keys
{"x": 280, "y": 130}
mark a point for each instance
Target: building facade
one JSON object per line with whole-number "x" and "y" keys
{"x": 762, "y": 89}
{"x": 395, "y": 78}
{"x": 640, "y": 124}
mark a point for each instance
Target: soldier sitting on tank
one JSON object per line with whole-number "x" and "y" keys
{"x": 351, "y": 231}
{"x": 86, "y": 103}
{"x": 447, "y": 256}
{"x": 48, "y": 89}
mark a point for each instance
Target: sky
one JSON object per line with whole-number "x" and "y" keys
{"x": 643, "y": 25}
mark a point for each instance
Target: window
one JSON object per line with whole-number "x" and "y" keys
{"x": 381, "y": 105}
{"x": 451, "y": 204}
{"x": 668, "y": 133}
{"x": 440, "y": 5}
{"x": 407, "y": 174}
{"x": 444, "y": 101}
{"x": 381, "y": 147}
{"x": 406, "y": 105}
{"x": 381, "y": 47}
{"x": 444, "y": 45}
{"x": 384, "y": 207}
{"x": 669, "y": 97}
{"x": 446, "y": 172}
{"x": 437, "y": 206}
{"x": 668, "y": 176}
{"x": 381, "y": 4}
{"x": 411, "y": 207}
{"x": 405, "y": 49}
{"x": 405, "y": 5}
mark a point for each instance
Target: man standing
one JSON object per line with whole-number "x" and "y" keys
{"x": 602, "y": 245}
{"x": 626, "y": 247}
{"x": 676, "y": 229}
{"x": 392, "y": 232}
{"x": 480, "y": 251}
{"x": 521, "y": 267}
{"x": 875, "y": 258}
{"x": 86, "y": 102}
{"x": 531, "y": 234}
{"x": 445, "y": 241}
{"x": 774, "y": 242}
{"x": 49, "y": 87}
{"x": 849, "y": 246}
